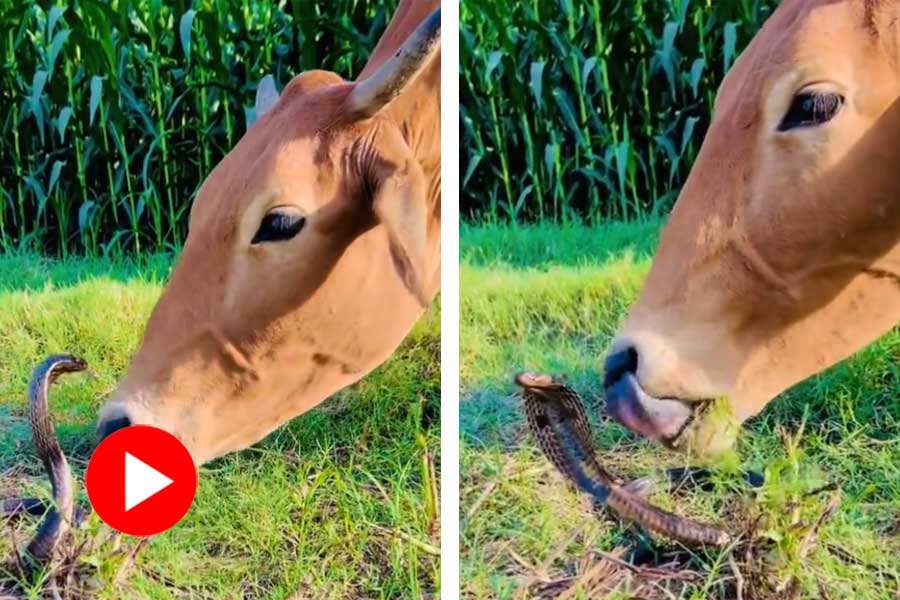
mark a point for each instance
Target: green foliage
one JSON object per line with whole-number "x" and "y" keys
{"x": 113, "y": 113}
{"x": 585, "y": 110}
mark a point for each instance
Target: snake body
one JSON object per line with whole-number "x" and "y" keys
{"x": 556, "y": 417}
{"x": 59, "y": 516}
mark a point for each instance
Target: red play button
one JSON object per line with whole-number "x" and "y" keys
{"x": 141, "y": 480}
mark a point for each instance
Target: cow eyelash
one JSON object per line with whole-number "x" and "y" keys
{"x": 811, "y": 108}
{"x": 279, "y": 224}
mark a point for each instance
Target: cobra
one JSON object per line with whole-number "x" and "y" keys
{"x": 62, "y": 514}
{"x": 556, "y": 417}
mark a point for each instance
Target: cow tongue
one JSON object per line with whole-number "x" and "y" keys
{"x": 661, "y": 420}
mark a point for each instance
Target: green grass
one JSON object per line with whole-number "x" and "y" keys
{"x": 338, "y": 503}
{"x": 549, "y": 299}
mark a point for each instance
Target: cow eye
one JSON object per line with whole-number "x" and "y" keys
{"x": 811, "y": 108}
{"x": 280, "y": 223}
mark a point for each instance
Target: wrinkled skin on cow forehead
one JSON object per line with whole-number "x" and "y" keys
{"x": 247, "y": 336}
{"x": 781, "y": 255}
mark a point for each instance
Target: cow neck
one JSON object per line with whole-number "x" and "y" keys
{"x": 417, "y": 111}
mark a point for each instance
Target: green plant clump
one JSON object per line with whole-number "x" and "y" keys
{"x": 713, "y": 433}
{"x": 582, "y": 110}
{"x": 112, "y": 114}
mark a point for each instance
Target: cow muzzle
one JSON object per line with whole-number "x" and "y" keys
{"x": 660, "y": 419}
{"x": 110, "y": 425}
{"x": 113, "y": 417}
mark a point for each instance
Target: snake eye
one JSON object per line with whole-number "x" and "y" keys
{"x": 811, "y": 108}
{"x": 279, "y": 224}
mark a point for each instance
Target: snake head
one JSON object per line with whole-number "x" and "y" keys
{"x": 57, "y": 364}
{"x": 530, "y": 380}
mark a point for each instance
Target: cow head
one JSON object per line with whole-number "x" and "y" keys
{"x": 781, "y": 255}
{"x": 311, "y": 253}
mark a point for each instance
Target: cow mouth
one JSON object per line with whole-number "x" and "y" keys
{"x": 663, "y": 420}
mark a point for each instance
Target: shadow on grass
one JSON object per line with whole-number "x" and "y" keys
{"x": 33, "y": 272}
{"x": 17, "y": 450}
{"x": 524, "y": 529}
{"x": 539, "y": 246}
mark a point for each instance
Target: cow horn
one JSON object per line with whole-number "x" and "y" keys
{"x": 385, "y": 84}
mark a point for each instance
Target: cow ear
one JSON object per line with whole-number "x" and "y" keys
{"x": 400, "y": 205}
{"x": 266, "y": 96}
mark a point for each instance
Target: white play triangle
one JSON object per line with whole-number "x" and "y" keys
{"x": 141, "y": 481}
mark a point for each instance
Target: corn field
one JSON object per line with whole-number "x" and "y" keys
{"x": 113, "y": 113}
{"x": 586, "y": 110}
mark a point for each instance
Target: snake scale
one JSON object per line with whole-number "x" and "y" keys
{"x": 557, "y": 418}
{"x": 62, "y": 513}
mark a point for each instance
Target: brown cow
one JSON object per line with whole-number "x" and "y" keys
{"x": 782, "y": 254}
{"x": 314, "y": 247}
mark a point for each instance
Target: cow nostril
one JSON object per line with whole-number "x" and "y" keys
{"x": 618, "y": 364}
{"x": 110, "y": 426}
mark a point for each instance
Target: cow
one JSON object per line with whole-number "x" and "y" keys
{"x": 313, "y": 248}
{"x": 781, "y": 255}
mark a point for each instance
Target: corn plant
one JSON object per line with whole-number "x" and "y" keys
{"x": 112, "y": 113}
{"x": 589, "y": 109}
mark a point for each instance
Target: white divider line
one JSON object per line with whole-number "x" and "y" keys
{"x": 450, "y": 300}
